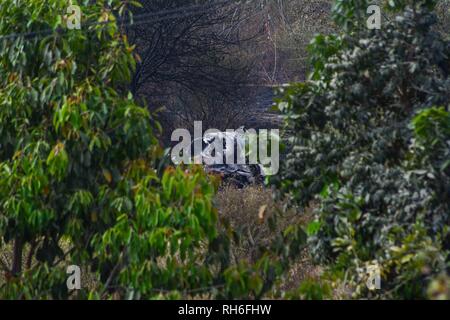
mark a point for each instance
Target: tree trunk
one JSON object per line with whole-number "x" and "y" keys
{"x": 17, "y": 257}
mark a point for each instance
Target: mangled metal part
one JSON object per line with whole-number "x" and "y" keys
{"x": 239, "y": 175}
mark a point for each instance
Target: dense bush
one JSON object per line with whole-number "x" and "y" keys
{"x": 79, "y": 183}
{"x": 369, "y": 136}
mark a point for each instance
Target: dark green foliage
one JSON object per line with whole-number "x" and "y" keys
{"x": 367, "y": 140}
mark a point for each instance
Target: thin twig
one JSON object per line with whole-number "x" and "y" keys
{"x": 4, "y": 266}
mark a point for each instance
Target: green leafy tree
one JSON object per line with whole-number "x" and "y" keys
{"x": 367, "y": 141}
{"x": 81, "y": 176}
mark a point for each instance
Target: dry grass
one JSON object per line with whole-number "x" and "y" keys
{"x": 242, "y": 207}
{"x": 248, "y": 211}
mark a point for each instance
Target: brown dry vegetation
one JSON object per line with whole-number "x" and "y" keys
{"x": 250, "y": 211}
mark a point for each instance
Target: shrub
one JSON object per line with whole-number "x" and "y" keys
{"x": 366, "y": 139}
